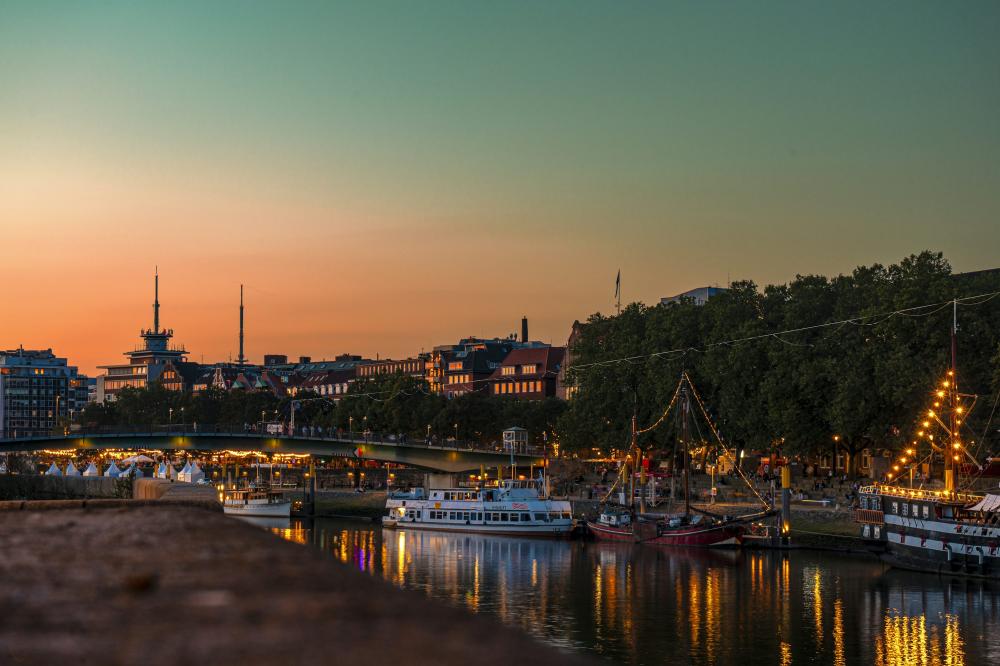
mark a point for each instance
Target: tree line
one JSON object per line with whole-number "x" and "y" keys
{"x": 816, "y": 389}
{"x": 388, "y": 404}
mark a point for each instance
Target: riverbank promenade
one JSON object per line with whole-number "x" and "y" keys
{"x": 166, "y": 582}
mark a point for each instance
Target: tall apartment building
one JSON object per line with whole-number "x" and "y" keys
{"x": 37, "y": 390}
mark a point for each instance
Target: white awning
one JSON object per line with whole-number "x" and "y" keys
{"x": 988, "y": 503}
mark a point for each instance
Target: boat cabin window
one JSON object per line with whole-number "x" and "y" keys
{"x": 544, "y": 517}
{"x": 906, "y": 508}
{"x": 927, "y": 511}
{"x": 895, "y": 507}
{"x": 514, "y": 517}
{"x": 504, "y": 517}
{"x": 915, "y": 511}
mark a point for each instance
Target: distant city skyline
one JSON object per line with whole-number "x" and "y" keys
{"x": 384, "y": 177}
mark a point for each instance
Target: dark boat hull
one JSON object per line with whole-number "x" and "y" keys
{"x": 725, "y": 534}
{"x": 608, "y": 533}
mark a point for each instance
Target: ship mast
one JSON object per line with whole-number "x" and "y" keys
{"x": 685, "y": 411}
{"x": 952, "y": 383}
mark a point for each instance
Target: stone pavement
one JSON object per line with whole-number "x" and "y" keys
{"x": 167, "y": 583}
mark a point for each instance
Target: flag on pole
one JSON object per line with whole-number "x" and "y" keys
{"x": 618, "y": 285}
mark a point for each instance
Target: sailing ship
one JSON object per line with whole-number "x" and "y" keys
{"x": 693, "y": 527}
{"x": 946, "y": 531}
{"x": 512, "y": 508}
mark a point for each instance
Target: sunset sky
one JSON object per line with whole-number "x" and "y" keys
{"x": 385, "y": 177}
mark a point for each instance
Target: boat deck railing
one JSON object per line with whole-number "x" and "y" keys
{"x": 919, "y": 493}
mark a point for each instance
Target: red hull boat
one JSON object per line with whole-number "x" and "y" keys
{"x": 702, "y": 534}
{"x": 659, "y": 533}
{"x": 609, "y": 533}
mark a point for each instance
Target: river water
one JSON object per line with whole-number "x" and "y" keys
{"x": 647, "y": 605}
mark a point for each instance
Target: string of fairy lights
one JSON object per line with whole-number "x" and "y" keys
{"x": 946, "y": 402}
{"x": 686, "y": 379}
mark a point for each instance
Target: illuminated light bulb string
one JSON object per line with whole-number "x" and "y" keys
{"x": 685, "y": 378}
{"x": 946, "y": 401}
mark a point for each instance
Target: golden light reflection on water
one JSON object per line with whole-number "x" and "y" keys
{"x": 909, "y": 641}
{"x": 838, "y": 633}
{"x": 817, "y": 607}
{"x": 631, "y": 604}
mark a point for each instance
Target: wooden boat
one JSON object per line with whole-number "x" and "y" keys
{"x": 693, "y": 527}
{"x": 612, "y": 525}
{"x": 690, "y": 530}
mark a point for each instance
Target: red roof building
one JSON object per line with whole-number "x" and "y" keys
{"x": 530, "y": 373}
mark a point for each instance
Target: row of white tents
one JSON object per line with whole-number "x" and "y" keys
{"x": 190, "y": 473}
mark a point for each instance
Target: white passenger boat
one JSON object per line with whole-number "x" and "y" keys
{"x": 513, "y": 508}
{"x": 256, "y": 502}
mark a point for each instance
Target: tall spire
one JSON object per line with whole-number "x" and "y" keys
{"x": 242, "y": 359}
{"x": 156, "y": 301}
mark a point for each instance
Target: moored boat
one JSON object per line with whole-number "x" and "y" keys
{"x": 512, "y": 508}
{"x": 947, "y": 531}
{"x": 612, "y": 525}
{"x": 937, "y": 531}
{"x": 689, "y": 530}
{"x": 256, "y": 501}
{"x": 693, "y": 527}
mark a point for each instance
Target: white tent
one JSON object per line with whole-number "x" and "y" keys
{"x": 71, "y": 470}
{"x": 113, "y": 470}
{"x": 194, "y": 473}
{"x": 131, "y": 460}
{"x": 989, "y": 503}
{"x": 133, "y": 471}
{"x": 91, "y": 471}
{"x": 184, "y": 473}
{"x": 53, "y": 471}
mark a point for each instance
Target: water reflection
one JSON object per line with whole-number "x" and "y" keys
{"x": 645, "y": 606}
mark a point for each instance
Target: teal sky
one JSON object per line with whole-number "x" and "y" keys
{"x": 351, "y": 160}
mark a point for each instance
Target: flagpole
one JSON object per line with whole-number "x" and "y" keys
{"x": 618, "y": 292}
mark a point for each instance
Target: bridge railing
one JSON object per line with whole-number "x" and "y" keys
{"x": 306, "y": 433}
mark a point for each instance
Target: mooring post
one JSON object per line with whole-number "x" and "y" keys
{"x": 786, "y": 503}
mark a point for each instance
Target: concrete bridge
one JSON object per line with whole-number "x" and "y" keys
{"x": 453, "y": 457}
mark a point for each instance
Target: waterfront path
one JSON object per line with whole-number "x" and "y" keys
{"x": 163, "y": 583}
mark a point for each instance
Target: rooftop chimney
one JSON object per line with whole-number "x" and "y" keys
{"x": 524, "y": 329}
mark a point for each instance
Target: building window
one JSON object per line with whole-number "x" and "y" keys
{"x": 509, "y": 370}
{"x": 529, "y": 369}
